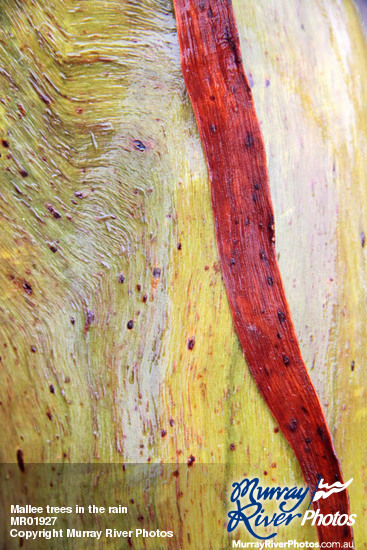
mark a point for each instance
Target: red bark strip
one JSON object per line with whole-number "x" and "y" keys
{"x": 231, "y": 138}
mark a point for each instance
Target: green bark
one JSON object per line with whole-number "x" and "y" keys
{"x": 103, "y": 175}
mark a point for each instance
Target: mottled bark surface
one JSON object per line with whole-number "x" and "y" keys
{"x": 104, "y": 180}
{"x": 221, "y": 97}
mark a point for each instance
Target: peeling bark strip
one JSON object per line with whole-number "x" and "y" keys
{"x": 231, "y": 138}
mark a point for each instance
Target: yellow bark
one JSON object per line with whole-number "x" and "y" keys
{"x": 103, "y": 174}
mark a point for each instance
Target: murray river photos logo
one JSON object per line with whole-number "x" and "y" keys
{"x": 249, "y": 500}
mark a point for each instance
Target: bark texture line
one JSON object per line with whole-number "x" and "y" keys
{"x": 230, "y": 134}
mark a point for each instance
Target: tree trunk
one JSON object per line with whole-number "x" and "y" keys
{"x": 117, "y": 343}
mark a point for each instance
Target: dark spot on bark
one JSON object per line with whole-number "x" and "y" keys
{"x": 20, "y": 460}
{"x": 232, "y": 447}
{"x": 27, "y": 287}
{"x": 130, "y": 325}
{"x": 210, "y": 13}
{"x": 254, "y": 198}
{"x": 179, "y": 246}
{"x": 270, "y": 281}
{"x": 202, "y": 6}
{"x": 132, "y": 501}
{"x": 271, "y": 227}
{"x": 49, "y": 415}
{"x": 176, "y": 473}
{"x": 139, "y": 145}
{"x": 304, "y": 409}
{"x": 33, "y": 349}
{"x": 286, "y": 360}
{"x": 138, "y": 288}
{"x": 23, "y": 173}
{"x": 279, "y": 336}
{"x": 121, "y": 278}
{"x": 265, "y": 473}
{"x": 212, "y": 98}
{"x": 5, "y": 143}
{"x": 190, "y": 460}
{"x": 72, "y": 320}
{"x": 53, "y": 248}
{"x": 228, "y": 37}
{"x": 281, "y": 316}
{"x": 90, "y": 316}
{"x": 52, "y": 389}
{"x": 144, "y": 298}
{"x": 249, "y": 140}
{"x": 321, "y": 432}
{"x": 274, "y": 465}
{"x": 213, "y": 128}
{"x": 171, "y": 422}
{"x": 53, "y": 211}
{"x": 293, "y": 425}
{"x": 308, "y": 440}
{"x": 276, "y": 429}
{"x": 156, "y": 272}
{"x": 129, "y": 542}
{"x": 363, "y": 239}
{"x": 236, "y": 222}
{"x": 42, "y": 96}
{"x": 257, "y": 186}
{"x": 140, "y": 518}
{"x": 247, "y": 221}
{"x": 263, "y": 256}
{"x": 352, "y": 366}
{"x": 233, "y": 261}
{"x": 191, "y": 343}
